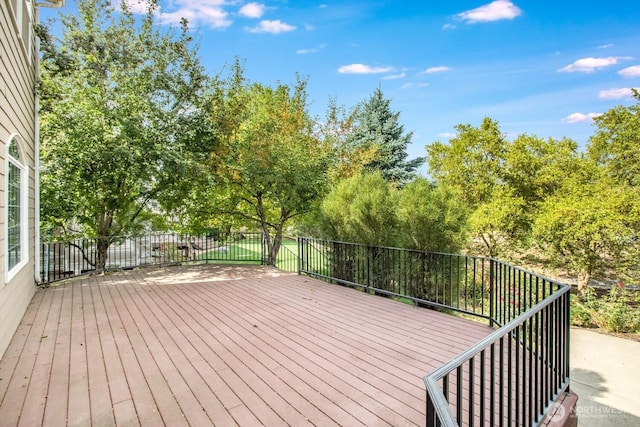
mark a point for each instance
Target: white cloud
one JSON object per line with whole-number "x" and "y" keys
{"x": 394, "y": 76}
{"x": 580, "y": 117}
{"x": 589, "y": 65}
{"x": 494, "y": 11}
{"x": 136, "y": 6}
{"x": 252, "y": 10}
{"x": 633, "y": 71}
{"x": 209, "y": 13}
{"x": 605, "y": 46}
{"x": 363, "y": 69}
{"x": 616, "y": 93}
{"x": 312, "y": 50}
{"x": 273, "y": 27}
{"x": 447, "y": 135}
{"x": 438, "y": 69}
{"x": 413, "y": 85}
{"x": 448, "y": 27}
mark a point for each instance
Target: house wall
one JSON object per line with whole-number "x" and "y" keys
{"x": 17, "y": 116}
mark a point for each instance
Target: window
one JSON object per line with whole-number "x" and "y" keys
{"x": 16, "y": 208}
{"x": 23, "y": 16}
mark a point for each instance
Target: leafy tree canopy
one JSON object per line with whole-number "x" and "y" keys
{"x": 593, "y": 228}
{"x": 116, "y": 99}
{"x": 267, "y": 163}
{"x": 362, "y": 209}
{"x": 616, "y": 143}
{"x": 431, "y": 218}
{"x": 471, "y": 162}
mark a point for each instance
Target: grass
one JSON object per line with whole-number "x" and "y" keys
{"x": 246, "y": 249}
{"x": 249, "y": 251}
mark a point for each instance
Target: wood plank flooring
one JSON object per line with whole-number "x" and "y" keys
{"x": 225, "y": 346}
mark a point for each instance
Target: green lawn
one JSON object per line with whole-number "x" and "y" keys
{"x": 250, "y": 251}
{"x": 245, "y": 250}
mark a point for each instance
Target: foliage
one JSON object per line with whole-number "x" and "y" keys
{"x": 118, "y": 105}
{"x": 353, "y": 215}
{"x": 616, "y": 311}
{"x": 430, "y": 217}
{"x": 267, "y": 165}
{"x": 471, "y": 162}
{"x": 593, "y": 223}
{"x": 501, "y": 182}
{"x": 335, "y": 131}
{"x": 592, "y": 228}
{"x": 377, "y": 135}
{"x": 536, "y": 168}
{"x": 498, "y": 222}
{"x": 616, "y": 144}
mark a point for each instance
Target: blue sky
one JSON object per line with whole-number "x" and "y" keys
{"x": 537, "y": 67}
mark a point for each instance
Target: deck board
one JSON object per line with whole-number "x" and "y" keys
{"x": 222, "y": 345}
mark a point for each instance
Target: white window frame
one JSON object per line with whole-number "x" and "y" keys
{"x": 23, "y": 21}
{"x": 11, "y": 161}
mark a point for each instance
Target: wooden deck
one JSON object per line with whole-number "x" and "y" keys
{"x": 212, "y": 345}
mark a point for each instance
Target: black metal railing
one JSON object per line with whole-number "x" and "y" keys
{"x": 65, "y": 259}
{"x": 511, "y": 377}
{"x": 287, "y": 258}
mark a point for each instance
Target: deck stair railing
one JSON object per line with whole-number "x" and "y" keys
{"x": 513, "y": 376}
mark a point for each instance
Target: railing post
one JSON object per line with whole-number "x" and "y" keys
{"x": 431, "y": 412}
{"x": 368, "y": 257}
{"x": 492, "y": 293}
{"x": 300, "y": 254}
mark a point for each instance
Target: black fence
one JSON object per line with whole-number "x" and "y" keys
{"x": 65, "y": 259}
{"x": 511, "y": 377}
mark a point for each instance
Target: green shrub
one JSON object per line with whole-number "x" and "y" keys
{"x": 616, "y": 312}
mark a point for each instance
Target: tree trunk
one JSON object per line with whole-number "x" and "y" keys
{"x": 105, "y": 222}
{"x": 583, "y": 281}
{"x": 272, "y": 255}
{"x": 101, "y": 253}
{"x": 273, "y": 245}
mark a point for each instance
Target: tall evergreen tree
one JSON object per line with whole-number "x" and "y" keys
{"x": 377, "y": 127}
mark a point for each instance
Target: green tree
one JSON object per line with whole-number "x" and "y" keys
{"x": 376, "y": 130}
{"x": 119, "y": 101}
{"x": 361, "y": 209}
{"x": 591, "y": 227}
{"x": 269, "y": 165}
{"x": 497, "y": 222}
{"x": 472, "y": 165}
{"x": 592, "y": 224}
{"x": 335, "y": 131}
{"x": 537, "y": 168}
{"x": 502, "y": 183}
{"x": 471, "y": 162}
{"x": 616, "y": 144}
{"x": 431, "y": 218}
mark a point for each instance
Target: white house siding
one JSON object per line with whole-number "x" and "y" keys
{"x": 17, "y": 111}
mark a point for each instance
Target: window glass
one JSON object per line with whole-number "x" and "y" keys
{"x": 16, "y": 214}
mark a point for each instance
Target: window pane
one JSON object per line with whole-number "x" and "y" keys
{"x": 13, "y": 215}
{"x": 13, "y": 150}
